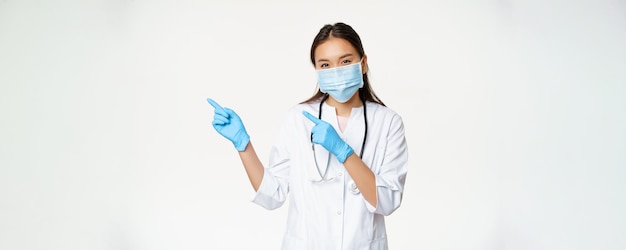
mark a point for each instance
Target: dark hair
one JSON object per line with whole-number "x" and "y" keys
{"x": 343, "y": 31}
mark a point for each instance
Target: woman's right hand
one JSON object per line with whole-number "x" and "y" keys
{"x": 228, "y": 124}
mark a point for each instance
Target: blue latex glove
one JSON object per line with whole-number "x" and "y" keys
{"x": 228, "y": 124}
{"x": 324, "y": 134}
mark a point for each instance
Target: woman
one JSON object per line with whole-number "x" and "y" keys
{"x": 341, "y": 156}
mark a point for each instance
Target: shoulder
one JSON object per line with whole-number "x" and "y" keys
{"x": 381, "y": 112}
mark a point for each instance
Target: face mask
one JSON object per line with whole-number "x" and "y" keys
{"x": 341, "y": 82}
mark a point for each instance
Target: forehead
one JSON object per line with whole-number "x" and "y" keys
{"x": 334, "y": 48}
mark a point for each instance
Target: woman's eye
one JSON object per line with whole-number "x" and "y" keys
{"x": 346, "y": 61}
{"x": 324, "y": 65}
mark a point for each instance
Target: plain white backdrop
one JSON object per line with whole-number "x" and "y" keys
{"x": 515, "y": 118}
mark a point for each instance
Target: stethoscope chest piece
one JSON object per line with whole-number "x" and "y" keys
{"x": 353, "y": 188}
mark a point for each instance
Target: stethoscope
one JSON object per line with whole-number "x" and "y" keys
{"x": 319, "y": 116}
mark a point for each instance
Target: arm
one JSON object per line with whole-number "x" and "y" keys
{"x": 270, "y": 185}
{"x": 383, "y": 189}
{"x": 252, "y": 164}
{"x": 363, "y": 178}
{"x": 391, "y": 169}
{"x": 227, "y": 123}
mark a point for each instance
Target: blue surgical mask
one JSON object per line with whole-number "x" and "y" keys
{"x": 341, "y": 82}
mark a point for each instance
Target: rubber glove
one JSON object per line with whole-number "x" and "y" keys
{"x": 324, "y": 134}
{"x": 228, "y": 124}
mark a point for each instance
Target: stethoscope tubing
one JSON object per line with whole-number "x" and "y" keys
{"x": 319, "y": 116}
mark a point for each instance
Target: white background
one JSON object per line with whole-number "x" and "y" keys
{"x": 515, "y": 118}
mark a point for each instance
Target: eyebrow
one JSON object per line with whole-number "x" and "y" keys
{"x": 344, "y": 56}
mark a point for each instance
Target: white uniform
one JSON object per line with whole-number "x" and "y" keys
{"x": 333, "y": 214}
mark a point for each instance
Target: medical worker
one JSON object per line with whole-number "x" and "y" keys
{"x": 340, "y": 156}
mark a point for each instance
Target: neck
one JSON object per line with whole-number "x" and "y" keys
{"x": 345, "y": 109}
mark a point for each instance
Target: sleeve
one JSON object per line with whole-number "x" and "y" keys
{"x": 274, "y": 187}
{"x": 392, "y": 175}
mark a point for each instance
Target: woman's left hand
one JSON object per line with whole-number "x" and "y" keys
{"x": 324, "y": 134}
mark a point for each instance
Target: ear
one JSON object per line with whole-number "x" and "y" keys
{"x": 364, "y": 67}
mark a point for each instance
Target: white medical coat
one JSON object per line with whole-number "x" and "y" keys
{"x": 333, "y": 214}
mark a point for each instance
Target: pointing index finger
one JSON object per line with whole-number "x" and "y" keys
{"x": 311, "y": 117}
{"x": 214, "y": 104}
